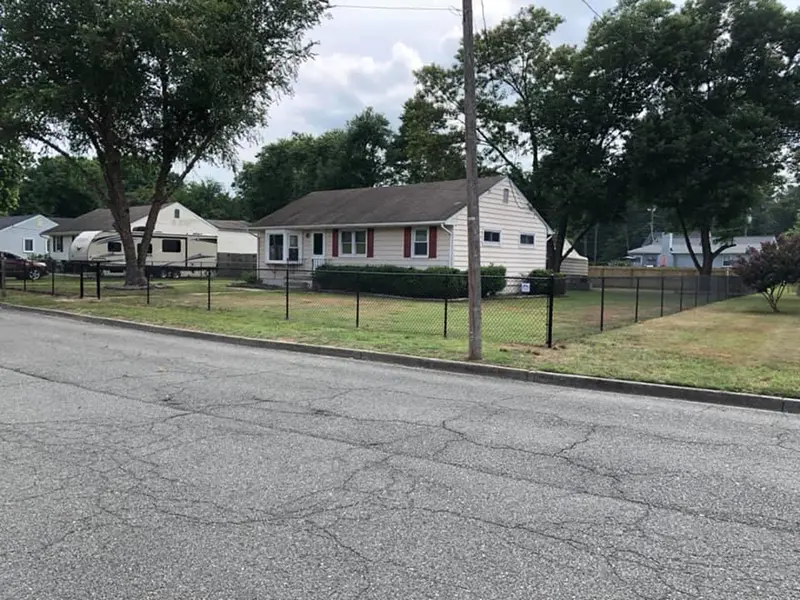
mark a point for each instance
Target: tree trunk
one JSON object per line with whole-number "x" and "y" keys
{"x": 120, "y": 210}
{"x": 707, "y": 265}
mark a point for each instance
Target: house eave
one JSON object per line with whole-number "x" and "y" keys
{"x": 347, "y": 225}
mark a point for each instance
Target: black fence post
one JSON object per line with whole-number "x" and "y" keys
{"x": 208, "y": 290}
{"x": 53, "y": 281}
{"x": 25, "y": 277}
{"x": 662, "y": 294}
{"x": 358, "y": 301}
{"x": 636, "y": 315}
{"x": 287, "y": 294}
{"x": 81, "y": 273}
{"x": 147, "y": 278}
{"x": 710, "y": 281}
{"x": 680, "y": 305}
{"x": 97, "y": 281}
{"x": 696, "y": 290}
{"x": 445, "y": 316}
{"x": 602, "y": 302}
{"x": 551, "y": 300}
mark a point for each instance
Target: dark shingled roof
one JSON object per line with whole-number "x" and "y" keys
{"x": 230, "y": 225}
{"x": 10, "y": 221}
{"x": 99, "y": 219}
{"x": 419, "y": 203}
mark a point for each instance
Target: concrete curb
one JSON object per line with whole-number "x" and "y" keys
{"x": 772, "y": 403}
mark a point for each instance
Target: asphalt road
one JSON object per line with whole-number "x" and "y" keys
{"x": 144, "y": 466}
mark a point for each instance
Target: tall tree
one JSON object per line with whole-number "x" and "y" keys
{"x": 169, "y": 83}
{"x": 720, "y": 116}
{"x": 368, "y": 138}
{"x": 12, "y": 167}
{"x": 427, "y": 147}
{"x": 58, "y": 187}
{"x": 555, "y": 119}
{"x": 355, "y": 156}
{"x": 210, "y": 200}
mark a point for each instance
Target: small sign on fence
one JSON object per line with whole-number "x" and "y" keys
{"x": 525, "y": 287}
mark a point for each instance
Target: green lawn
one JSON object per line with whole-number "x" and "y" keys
{"x": 735, "y": 345}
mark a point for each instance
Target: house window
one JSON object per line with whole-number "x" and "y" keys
{"x": 294, "y": 248}
{"x": 505, "y": 196}
{"x": 526, "y": 239}
{"x": 276, "y": 247}
{"x": 48, "y": 245}
{"x": 115, "y": 247}
{"x": 421, "y": 242}
{"x": 728, "y": 261}
{"x": 491, "y": 237}
{"x": 177, "y": 213}
{"x": 139, "y": 249}
{"x": 354, "y": 243}
{"x": 58, "y": 244}
{"x": 171, "y": 246}
{"x": 27, "y": 245}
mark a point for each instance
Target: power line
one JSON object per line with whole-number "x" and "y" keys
{"x": 483, "y": 14}
{"x": 450, "y": 9}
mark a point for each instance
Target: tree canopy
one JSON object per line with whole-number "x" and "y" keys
{"x": 352, "y": 157}
{"x": 169, "y": 83}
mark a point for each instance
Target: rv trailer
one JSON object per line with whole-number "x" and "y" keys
{"x": 169, "y": 255}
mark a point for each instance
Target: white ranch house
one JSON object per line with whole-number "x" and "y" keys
{"x": 421, "y": 226}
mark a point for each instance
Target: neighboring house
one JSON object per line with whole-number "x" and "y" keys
{"x": 173, "y": 218}
{"x": 670, "y": 250}
{"x": 574, "y": 264}
{"x": 236, "y": 247}
{"x": 23, "y": 235}
{"x": 422, "y": 225}
{"x": 59, "y": 244}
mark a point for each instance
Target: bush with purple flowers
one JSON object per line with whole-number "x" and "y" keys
{"x": 773, "y": 268}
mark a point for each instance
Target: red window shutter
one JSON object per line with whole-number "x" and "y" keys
{"x": 434, "y": 231}
{"x": 370, "y": 243}
{"x": 407, "y": 243}
{"x": 335, "y": 247}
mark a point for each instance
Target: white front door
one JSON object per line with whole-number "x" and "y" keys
{"x": 317, "y": 249}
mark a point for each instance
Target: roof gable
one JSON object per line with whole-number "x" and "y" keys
{"x": 6, "y": 222}
{"x": 99, "y": 219}
{"x": 419, "y": 203}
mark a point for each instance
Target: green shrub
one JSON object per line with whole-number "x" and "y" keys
{"x": 540, "y": 282}
{"x": 493, "y": 280}
{"x": 390, "y": 280}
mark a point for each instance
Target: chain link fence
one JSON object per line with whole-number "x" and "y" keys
{"x": 515, "y": 311}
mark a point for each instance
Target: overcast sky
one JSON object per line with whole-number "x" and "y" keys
{"x": 367, "y": 57}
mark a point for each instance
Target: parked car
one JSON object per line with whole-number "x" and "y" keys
{"x": 19, "y": 267}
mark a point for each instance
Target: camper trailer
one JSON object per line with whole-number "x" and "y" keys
{"x": 169, "y": 255}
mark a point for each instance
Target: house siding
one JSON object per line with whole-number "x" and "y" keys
{"x": 236, "y": 242}
{"x": 63, "y": 255}
{"x": 685, "y": 261}
{"x": 387, "y": 249}
{"x": 511, "y": 219}
{"x": 575, "y": 266}
{"x": 11, "y": 238}
{"x": 187, "y": 224}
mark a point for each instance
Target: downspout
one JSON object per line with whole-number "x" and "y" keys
{"x": 450, "y": 233}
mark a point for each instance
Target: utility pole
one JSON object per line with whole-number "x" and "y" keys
{"x": 473, "y": 221}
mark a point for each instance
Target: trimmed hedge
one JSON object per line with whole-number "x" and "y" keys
{"x": 389, "y": 280}
{"x": 540, "y": 283}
